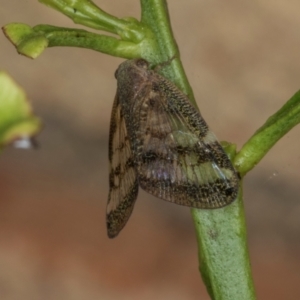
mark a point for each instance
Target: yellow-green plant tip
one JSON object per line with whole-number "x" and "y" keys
{"x": 16, "y": 32}
{"x": 27, "y": 129}
{"x": 27, "y": 41}
{"x": 16, "y": 118}
{"x": 33, "y": 46}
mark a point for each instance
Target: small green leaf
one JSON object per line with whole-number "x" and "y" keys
{"x": 15, "y": 32}
{"x": 27, "y": 41}
{"x": 16, "y": 118}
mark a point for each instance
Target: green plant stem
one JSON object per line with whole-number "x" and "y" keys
{"x": 223, "y": 255}
{"x": 266, "y": 136}
{"x": 58, "y": 36}
{"x": 155, "y": 16}
{"x": 86, "y": 13}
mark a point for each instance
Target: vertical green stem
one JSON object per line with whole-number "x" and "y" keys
{"x": 223, "y": 252}
{"x": 155, "y": 16}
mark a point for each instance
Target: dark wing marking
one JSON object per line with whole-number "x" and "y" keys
{"x": 123, "y": 183}
{"x": 178, "y": 158}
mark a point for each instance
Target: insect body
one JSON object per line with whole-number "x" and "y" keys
{"x": 160, "y": 142}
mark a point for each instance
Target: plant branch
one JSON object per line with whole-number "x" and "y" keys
{"x": 155, "y": 15}
{"x": 31, "y": 42}
{"x": 223, "y": 254}
{"x": 58, "y": 36}
{"x": 266, "y": 136}
{"x": 86, "y": 13}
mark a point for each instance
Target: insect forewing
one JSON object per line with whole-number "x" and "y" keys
{"x": 123, "y": 183}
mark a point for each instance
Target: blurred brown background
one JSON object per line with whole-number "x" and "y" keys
{"x": 242, "y": 59}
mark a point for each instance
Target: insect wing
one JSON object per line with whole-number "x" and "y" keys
{"x": 123, "y": 183}
{"x": 179, "y": 159}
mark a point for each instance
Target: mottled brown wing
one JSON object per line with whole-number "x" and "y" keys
{"x": 179, "y": 159}
{"x": 123, "y": 184}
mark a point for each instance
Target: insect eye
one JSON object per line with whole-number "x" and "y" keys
{"x": 142, "y": 63}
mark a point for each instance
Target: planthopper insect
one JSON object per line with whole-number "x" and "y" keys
{"x": 160, "y": 142}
